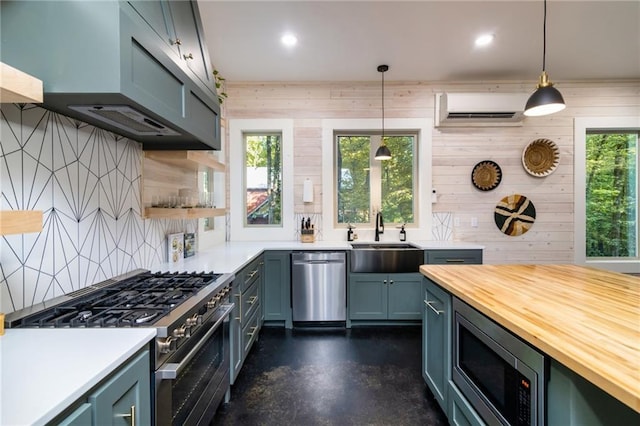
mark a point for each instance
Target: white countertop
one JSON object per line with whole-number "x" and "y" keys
{"x": 231, "y": 257}
{"x": 43, "y": 371}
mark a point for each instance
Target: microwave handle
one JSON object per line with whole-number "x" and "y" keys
{"x": 170, "y": 371}
{"x": 429, "y": 304}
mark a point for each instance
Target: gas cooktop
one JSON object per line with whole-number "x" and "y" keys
{"x": 138, "y": 300}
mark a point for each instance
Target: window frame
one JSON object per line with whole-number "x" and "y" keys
{"x": 376, "y": 167}
{"x": 423, "y": 181}
{"x": 238, "y": 231}
{"x": 581, "y": 127}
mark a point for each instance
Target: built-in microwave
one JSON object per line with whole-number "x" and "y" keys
{"x": 501, "y": 376}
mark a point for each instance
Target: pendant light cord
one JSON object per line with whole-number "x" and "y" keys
{"x": 544, "y": 37}
{"x": 382, "y": 108}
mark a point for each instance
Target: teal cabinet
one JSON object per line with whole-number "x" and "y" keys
{"x": 453, "y": 257}
{"x": 385, "y": 296}
{"x": 126, "y": 397}
{"x": 436, "y": 341}
{"x": 246, "y": 317}
{"x": 80, "y": 417}
{"x": 277, "y": 288}
{"x": 460, "y": 412}
{"x": 120, "y": 53}
{"x": 573, "y": 401}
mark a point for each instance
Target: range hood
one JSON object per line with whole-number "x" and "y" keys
{"x": 104, "y": 64}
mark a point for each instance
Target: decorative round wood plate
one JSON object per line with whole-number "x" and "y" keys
{"x": 514, "y": 215}
{"x": 540, "y": 157}
{"x": 486, "y": 175}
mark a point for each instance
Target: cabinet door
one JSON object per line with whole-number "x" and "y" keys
{"x": 368, "y": 296}
{"x": 436, "y": 353}
{"x": 460, "y": 411}
{"x": 125, "y": 394}
{"x": 405, "y": 296}
{"x": 186, "y": 22}
{"x": 155, "y": 13}
{"x": 277, "y": 287}
{"x": 80, "y": 417}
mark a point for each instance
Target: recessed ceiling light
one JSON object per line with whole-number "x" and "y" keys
{"x": 289, "y": 40}
{"x": 484, "y": 40}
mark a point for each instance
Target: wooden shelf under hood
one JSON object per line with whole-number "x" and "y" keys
{"x": 18, "y": 87}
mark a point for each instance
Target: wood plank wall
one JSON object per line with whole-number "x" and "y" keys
{"x": 455, "y": 151}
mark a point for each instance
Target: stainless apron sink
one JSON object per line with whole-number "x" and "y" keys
{"x": 386, "y": 257}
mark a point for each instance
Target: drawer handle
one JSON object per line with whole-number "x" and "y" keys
{"x": 252, "y": 332}
{"x": 390, "y": 282}
{"x": 384, "y": 282}
{"x": 454, "y": 260}
{"x": 131, "y": 415}
{"x": 253, "y": 273}
{"x": 429, "y": 304}
{"x": 252, "y": 300}
{"x": 176, "y": 41}
{"x": 189, "y": 56}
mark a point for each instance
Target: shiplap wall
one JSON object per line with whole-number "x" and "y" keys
{"x": 455, "y": 151}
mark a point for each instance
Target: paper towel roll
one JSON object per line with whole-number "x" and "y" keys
{"x": 307, "y": 191}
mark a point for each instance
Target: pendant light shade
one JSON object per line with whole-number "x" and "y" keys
{"x": 383, "y": 153}
{"x": 546, "y": 99}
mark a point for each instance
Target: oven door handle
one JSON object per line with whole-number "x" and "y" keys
{"x": 170, "y": 371}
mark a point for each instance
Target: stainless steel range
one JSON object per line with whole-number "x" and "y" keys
{"x": 190, "y": 312}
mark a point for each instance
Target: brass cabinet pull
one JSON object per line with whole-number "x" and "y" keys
{"x": 176, "y": 41}
{"x": 384, "y": 282}
{"x": 390, "y": 282}
{"x": 189, "y": 56}
{"x": 252, "y": 300}
{"x": 131, "y": 415}
{"x": 429, "y": 304}
{"x": 252, "y": 332}
{"x": 239, "y": 296}
{"x": 454, "y": 260}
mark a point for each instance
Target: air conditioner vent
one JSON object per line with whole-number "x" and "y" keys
{"x": 480, "y": 109}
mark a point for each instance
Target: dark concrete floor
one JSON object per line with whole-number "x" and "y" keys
{"x": 361, "y": 376}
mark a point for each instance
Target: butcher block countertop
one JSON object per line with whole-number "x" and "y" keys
{"x": 585, "y": 318}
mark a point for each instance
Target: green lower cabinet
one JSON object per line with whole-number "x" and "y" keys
{"x": 460, "y": 412}
{"x": 277, "y": 287}
{"x": 80, "y": 417}
{"x": 385, "y": 296}
{"x": 573, "y": 401}
{"x": 436, "y": 341}
{"x": 126, "y": 396}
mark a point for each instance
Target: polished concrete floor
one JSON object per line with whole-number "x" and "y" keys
{"x": 311, "y": 376}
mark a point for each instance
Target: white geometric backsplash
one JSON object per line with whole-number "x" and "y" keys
{"x": 87, "y": 183}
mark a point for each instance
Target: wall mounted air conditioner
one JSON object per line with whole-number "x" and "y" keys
{"x": 479, "y": 109}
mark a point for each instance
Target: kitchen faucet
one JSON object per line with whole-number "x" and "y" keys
{"x": 379, "y": 226}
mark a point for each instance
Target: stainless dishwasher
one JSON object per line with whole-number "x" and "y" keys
{"x": 319, "y": 286}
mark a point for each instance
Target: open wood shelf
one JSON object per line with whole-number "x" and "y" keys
{"x": 189, "y": 160}
{"x": 19, "y": 87}
{"x": 181, "y": 213}
{"x": 20, "y": 221}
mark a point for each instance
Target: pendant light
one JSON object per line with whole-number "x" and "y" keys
{"x": 383, "y": 153}
{"x": 546, "y": 99}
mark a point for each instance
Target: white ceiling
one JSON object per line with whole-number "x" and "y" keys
{"x": 422, "y": 40}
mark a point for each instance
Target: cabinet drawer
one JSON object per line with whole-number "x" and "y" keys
{"x": 460, "y": 411}
{"x": 250, "y": 333}
{"x": 250, "y": 274}
{"x": 453, "y": 257}
{"x": 250, "y": 301}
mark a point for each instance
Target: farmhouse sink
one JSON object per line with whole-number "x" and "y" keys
{"x": 386, "y": 257}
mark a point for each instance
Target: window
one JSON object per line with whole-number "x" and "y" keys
{"x": 611, "y": 194}
{"x": 606, "y": 193}
{"x": 263, "y": 179}
{"x": 365, "y": 185}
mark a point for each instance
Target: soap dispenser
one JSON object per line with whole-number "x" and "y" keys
{"x": 403, "y": 233}
{"x": 350, "y": 233}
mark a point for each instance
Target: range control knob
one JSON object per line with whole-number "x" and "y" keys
{"x": 212, "y": 303}
{"x": 194, "y": 320}
{"x": 180, "y": 331}
{"x": 165, "y": 346}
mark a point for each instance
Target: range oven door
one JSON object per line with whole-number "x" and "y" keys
{"x": 501, "y": 376}
{"x": 189, "y": 389}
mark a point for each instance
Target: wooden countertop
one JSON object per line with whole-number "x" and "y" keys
{"x": 585, "y": 318}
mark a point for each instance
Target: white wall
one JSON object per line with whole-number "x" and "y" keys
{"x": 454, "y": 151}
